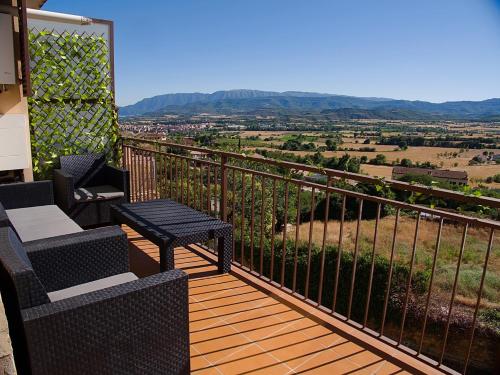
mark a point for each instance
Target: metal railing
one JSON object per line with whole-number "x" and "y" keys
{"x": 377, "y": 261}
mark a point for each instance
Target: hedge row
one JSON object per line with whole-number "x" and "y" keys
{"x": 381, "y": 267}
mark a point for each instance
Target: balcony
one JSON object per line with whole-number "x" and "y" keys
{"x": 332, "y": 272}
{"x": 240, "y": 325}
{"x": 339, "y": 274}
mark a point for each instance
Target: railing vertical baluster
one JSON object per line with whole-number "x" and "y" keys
{"x": 154, "y": 172}
{"x": 188, "y": 182}
{"x": 195, "y": 184}
{"x": 233, "y": 212}
{"x": 182, "y": 179}
{"x": 165, "y": 175}
{"x": 149, "y": 173}
{"x": 201, "y": 187}
{"x": 136, "y": 175}
{"x": 309, "y": 246}
{"x": 176, "y": 179}
{"x": 478, "y": 301}
{"x": 391, "y": 266}
{"x": 262, "y": 211}
{"x": 152, "y": 169}
{"x": 339, "y": 255}
{"x": 252, "y": 221}
{"x": 159, "y": 173}
{"x": 431, "y": 282}
{"x": 146, "y": 175}
{"x": 133, "y": 176}
{"x": 273, "y": 231}
{"x": 216, "y": 197}
{"x": 131, "y": 173}
{"x": 170, "y": 176}
{"x": 126, "y": 160}
{"x": 209, "y": 191}
{"x": 323, "y": 243}
{"x": 129, "y": 168}
{"x": 453, "y": 292}
{"x": 372, "y": 266}
{"x": 140, "y": 175}
{"x": 355, "y": 260}
{"x": 143, "y": 177}
{"x": 297, "y": 232}
{"x": 223, "y": 187}
{"x": 242, "y": 219}
{"x": 408, "y": 282}
{"x": 164, "y": 172}
{"x": 285, "y": 223}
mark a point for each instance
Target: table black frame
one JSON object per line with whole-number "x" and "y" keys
{"x": 169, "y": 224}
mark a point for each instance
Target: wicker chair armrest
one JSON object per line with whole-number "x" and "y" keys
{"x": 64, "y": 189}
{"x": 4, "y": 219}
{"x": 26, "y": 194}
{"x": 140, "y": 327}
{"x": 118, "y": 178}
{"x": 64, "y": 261}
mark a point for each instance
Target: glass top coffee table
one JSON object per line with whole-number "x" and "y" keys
{"x": 169, "y": 224}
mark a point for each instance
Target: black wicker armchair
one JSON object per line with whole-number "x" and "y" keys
{"x": 86, "y": 186}
{"x": 80, "y": 311}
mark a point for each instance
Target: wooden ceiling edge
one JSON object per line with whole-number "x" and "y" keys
{"x": 35, "y": 4}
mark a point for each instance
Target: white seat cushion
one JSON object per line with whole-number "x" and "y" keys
{"x": 98, "y": 192}
{"x": 35, "y": 223}
{"x": 92, "y": 286}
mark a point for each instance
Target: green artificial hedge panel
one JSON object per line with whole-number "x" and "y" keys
{"x": 72, "y": 108}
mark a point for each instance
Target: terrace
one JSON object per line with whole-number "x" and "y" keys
{"x": 343, "y": 273}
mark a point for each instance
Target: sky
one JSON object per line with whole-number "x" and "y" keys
{"x": 435, "y": 50}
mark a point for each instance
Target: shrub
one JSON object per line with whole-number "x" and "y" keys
{"x": 363, "y": 267}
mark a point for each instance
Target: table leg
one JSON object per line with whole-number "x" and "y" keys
{"x": 225, "y": 251}
{"x": 166, "y": 257}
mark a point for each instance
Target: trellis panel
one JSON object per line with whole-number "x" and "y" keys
{"x": 72, "y": 109}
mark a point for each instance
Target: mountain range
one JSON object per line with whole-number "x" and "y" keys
{"x": 255, "y": 102}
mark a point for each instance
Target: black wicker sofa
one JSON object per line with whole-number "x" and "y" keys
{"x": 28, "y": 207}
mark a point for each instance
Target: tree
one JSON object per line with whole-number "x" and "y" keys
{"x": 380, "y": 159}
{"x": 406, "y": 162}
{"x": 331, "y": 145}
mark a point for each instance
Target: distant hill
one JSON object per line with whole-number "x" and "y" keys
{"x": 293, "y": 102}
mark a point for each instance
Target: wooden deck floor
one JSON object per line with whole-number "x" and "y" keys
{"x": 238, "y": 327}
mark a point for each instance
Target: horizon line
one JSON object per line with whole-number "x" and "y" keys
{"x": 311, "y": 92}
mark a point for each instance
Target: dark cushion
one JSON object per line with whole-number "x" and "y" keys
{"x": 98, "y": 192}
{"x": 82, "y": 167}
{"x": 18, "y": 248}
{"x": 17, "y": 273}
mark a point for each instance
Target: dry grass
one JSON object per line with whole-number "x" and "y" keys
{"x": 472, "y": 261}
{"x": 377, "y": 170}
{"x": 440, "y": 156}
